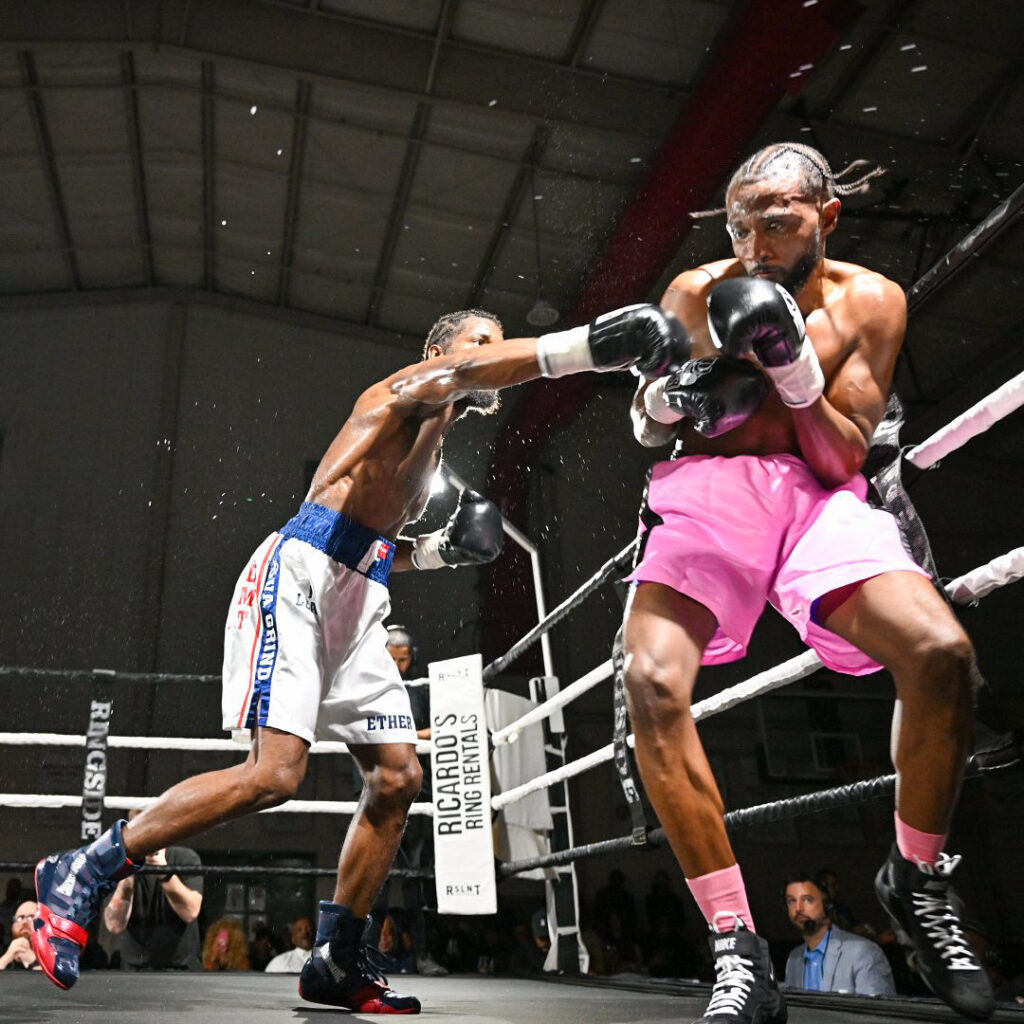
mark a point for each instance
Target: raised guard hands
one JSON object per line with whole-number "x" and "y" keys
{"x": 717, "y": 394}
{"x": 750, "y": 315}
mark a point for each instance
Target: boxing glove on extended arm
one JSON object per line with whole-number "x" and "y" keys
{"x": 472, "y": 536}
{"x": 642, "y": 336}
{"x": 746, "y": 315}
{"x": 717, "y": 394}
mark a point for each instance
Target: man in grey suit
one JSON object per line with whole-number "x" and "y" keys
{"x": 830, "y": 960}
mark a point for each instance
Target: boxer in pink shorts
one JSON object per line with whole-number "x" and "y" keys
{"x": 764, "y": 501}
{"x": 811, "y": 543}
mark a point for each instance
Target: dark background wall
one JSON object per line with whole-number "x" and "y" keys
{"x": 149, "y": 446}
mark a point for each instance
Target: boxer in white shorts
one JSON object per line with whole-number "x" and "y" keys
{"x": 305, "y": 652}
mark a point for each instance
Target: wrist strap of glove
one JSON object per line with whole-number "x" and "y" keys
{"x": 565, "y": 352}
{"x": 426, "y": 553}
{"x": 801, "y": 382}
{"x": 656, "y": 404}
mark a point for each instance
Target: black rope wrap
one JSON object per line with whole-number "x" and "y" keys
{"x": 110, "y": 674}
{"x": 971, "y": 245}
{"x": 229, "y": 870}
{"x": 885, "y": 470}
{"x": 760, "y": 814}
{"x": 613, "y": 565}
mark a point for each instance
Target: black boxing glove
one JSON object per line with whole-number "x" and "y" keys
{"x": 747, "y": 314}
{"x": 642, "y": 336}
{"x": 472, "y": 536}
{"x": 717, "y": 394}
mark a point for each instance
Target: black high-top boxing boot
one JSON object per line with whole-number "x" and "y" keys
{"x": 745, "y": 991}
{"x": 923, "y": 908}
{"x": 339, "y": 971}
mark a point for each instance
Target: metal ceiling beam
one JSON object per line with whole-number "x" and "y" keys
{"x": 44, "y": 144}
{"x": 507, "y": 216}
{"x": 407, "y": 176}
{"x": 587, "y": 21}
{"x": 131, "y": 103}
{"x": 303, "y": 94}
{"x": 321, "y": 117}
{"x": 368, "y": 53}
{"x": 206, "y": 143}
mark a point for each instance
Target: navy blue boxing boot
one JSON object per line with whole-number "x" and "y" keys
{"x": 339, "y": 971}
{"x": 70, "y": 887}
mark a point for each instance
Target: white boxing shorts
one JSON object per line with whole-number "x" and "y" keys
{"x": 305, "y": 648}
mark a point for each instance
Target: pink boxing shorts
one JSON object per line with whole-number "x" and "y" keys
{"x": 733, "y": 532}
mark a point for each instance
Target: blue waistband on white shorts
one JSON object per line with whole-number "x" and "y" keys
{"x": 349, "y": 543}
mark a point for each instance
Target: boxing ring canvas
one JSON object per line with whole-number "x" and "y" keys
{"x": 112, "y": 997}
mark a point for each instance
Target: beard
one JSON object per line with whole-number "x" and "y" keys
{"x": 811, "y": 925}
{"x": 485, "y": 403}
{"x": 800, "y": 273}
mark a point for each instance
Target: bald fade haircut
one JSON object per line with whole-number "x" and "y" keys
{"x": 448, "y": 326}
{"x": 816, "y": 177}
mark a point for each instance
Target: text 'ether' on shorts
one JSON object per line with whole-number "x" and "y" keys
{"x": 733, "y": 532}
{"x": 305, "y": 648}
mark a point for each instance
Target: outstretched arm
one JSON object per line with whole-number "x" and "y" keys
{"x": 641, "y": 336}
{"x": 448, "y": 378}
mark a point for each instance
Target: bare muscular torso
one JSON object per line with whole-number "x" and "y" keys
{"x": 835, "y": 324}
{"x": 379, "y": 467}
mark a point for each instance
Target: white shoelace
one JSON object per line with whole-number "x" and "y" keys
{"x": 732, "y": 985}
{"x": 941, "y": 924}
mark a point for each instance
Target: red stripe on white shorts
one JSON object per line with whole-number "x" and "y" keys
{"x": 259, "y": 629}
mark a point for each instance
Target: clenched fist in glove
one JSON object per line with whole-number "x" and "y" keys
{"x": 750, "y": 315}
{"x": 472, "y": 536}
{"x": 644, "y": 337}
{"x": 717, "y": 394}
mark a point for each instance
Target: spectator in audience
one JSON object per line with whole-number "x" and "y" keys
{"x": 395, "y": 943}
{"x": 663, "y": 901}
{"x": 292, "y": 960}
{"x": 615, "y": 898}
{"x": 156, "y": 914}
{"x": 225, "y": 948}
{"x": 830, "y": 959}
{"x": 621, "y": 954}
{"x": 263, "y": 948}
{"x": 14, "y": 896}
{"x": 531, "y": 945}
{"x": 19, "y": 953}
{"x": 842, "y": 913}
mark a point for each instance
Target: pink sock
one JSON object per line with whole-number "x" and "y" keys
{"x": 722, "y": 892}
{"x": 919, "y": 847}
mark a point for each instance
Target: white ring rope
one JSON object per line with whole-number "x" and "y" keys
{"x": 974, "y": 421}
{"x": 975, "y": 584}
{"x": 56, "y": 739}
{"x": 510, "y": 733}
{"x": 131, "y": 803}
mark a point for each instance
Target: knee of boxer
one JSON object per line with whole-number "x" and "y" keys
{"x": 658, "y": 692}
{"x": 942, "y": 668}
{"x": 273, "y": 784}
{"x": 395, "y": 784}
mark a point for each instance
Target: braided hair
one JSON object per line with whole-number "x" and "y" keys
{"x": 448, "y": 326}
{"x": 816, "y": 176}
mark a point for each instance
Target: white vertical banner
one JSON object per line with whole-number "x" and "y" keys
{"x": 460, "y": 769}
